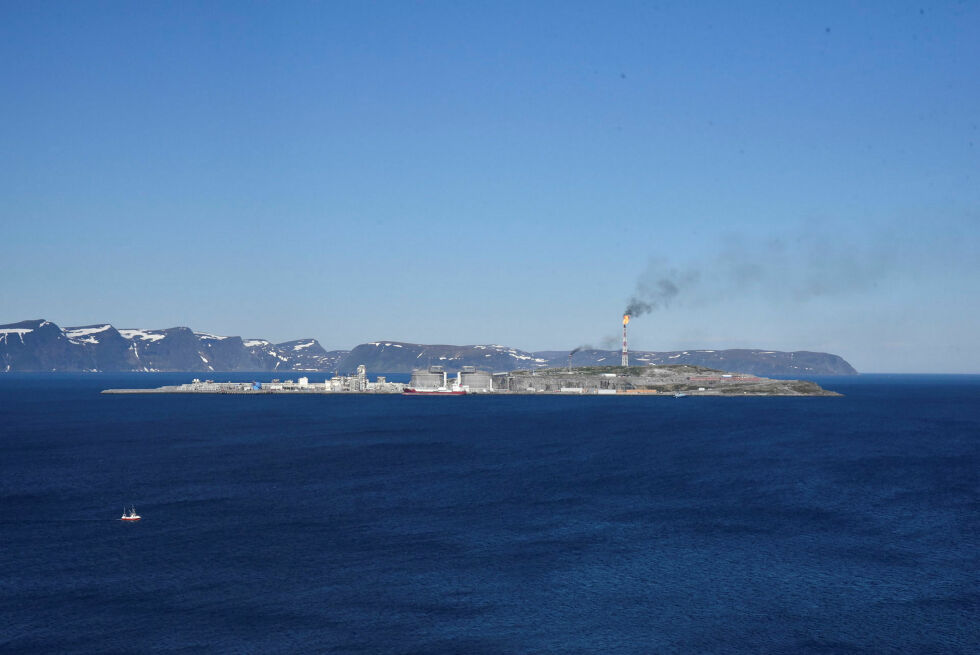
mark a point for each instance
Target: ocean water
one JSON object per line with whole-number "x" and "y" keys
{"x": 365, "y": 524}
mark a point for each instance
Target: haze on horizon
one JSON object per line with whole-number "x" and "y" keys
{"x": 804, "y": 177}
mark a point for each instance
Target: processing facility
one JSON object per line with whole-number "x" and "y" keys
{"x": 435, "y": 378}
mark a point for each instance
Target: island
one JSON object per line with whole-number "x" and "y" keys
{"x": 677, "y": 380}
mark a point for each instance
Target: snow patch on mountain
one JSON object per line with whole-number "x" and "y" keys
{"x": 205, "y": 335}
{"x": 142, "y": 335}
{"x": 86, "y": 334}
{"x": 74, "y": 333}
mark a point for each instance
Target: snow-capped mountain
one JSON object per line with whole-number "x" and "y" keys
{"x": 755, "y": 362}
{"x": 399, "y": 357}
{"x": 42, "y": 346}
{"x": 309, "y": 355}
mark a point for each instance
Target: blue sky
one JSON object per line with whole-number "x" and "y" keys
{"x": 500, "y": 172}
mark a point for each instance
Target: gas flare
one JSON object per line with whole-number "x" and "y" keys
{"x": 626, "y": 319}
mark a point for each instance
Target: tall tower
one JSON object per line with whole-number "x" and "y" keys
{"x": 626, "y": 352}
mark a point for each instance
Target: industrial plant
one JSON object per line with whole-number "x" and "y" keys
{"x": 671, "y": 380}
{"x": 679, "y": 380}
{"x": 357, "y": 383}
{"x": 434, "y": 379}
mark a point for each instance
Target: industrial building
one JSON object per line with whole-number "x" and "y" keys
{"x": 430, "y": 379}
{"x": 474, "y": 381}
{"x": 357, "y": 383}
{"x": 435, "y": 378}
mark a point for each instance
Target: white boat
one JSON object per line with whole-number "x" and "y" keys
{"x": 130, "y": 514}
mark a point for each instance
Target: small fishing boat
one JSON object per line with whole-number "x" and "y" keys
{"x": 130, "y": 514}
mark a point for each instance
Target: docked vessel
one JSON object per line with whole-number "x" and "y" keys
{"x": 434, "y": 392}
{"x": 130, "y": 514}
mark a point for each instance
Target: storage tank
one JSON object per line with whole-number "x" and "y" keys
{"x": 475, "y": 380}
{"x": 433, "y": 378}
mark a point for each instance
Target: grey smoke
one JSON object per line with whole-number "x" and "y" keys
{"x": 788, "y": 268}
{"x": 609, "y": 343}
{"x": 801, "y": 266}
{"x": 657, "y": 289}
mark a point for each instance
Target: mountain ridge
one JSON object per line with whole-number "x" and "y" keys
{"x": 40, "y": 345}
{"x": 402, "y": 357}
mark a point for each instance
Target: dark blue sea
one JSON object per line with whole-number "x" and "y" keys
{"x": 389, "y": 524}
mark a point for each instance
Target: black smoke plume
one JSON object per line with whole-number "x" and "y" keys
{"x": 657, "y": 291}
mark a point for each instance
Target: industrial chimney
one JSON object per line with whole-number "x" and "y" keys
{"x": 626, "y": 352}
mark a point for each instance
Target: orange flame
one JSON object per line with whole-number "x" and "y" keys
{"x": 626, "y": 319}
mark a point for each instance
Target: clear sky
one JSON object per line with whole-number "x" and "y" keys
{"x": 460, "y": 172}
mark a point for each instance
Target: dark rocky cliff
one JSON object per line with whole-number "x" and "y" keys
{"x": 40, "y": 345}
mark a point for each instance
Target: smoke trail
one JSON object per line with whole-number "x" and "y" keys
{"x": 657, "y": 291}
{"x": 578, "y": 348}
{"x": 800, "y": 266}
{"x": 793, "y": 267}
